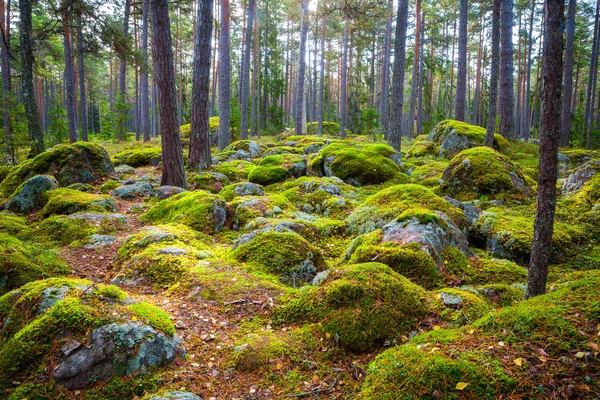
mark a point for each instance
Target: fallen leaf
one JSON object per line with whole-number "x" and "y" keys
{"x": 461, "y": 385}
{"x": 134, "y": 318}
{"x": 278, "y": 366}
{"x": 518, "y": 361}
{"x": 580, "y": 354}
{"x": 436, "y": 328}
{"x": 501, "y": 344}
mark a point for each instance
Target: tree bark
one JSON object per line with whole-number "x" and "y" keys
{"x": 70, "y": 88}
{"x": 549, "y": 136}
{"x": 245, "y": 77}
{"x": 322, "y": 80}
{"x": 200, "y": 157}
{"x": 385, "y": 74}
{"x": 144, "y": 91}
{"x": 301, "y": 67}
{"x": 344, "y": 82}
{"x": 313, "y": 96}
{"x": 410, "y": 117}
{"x": 461, "y": 76}
{"x": 507, "y": 100}
{"x": 526, "y": 118}
{"x": 162, "y": 52}
{"x": 82, "y": 100}
{"x": 224, "y": 79}
{"x": 255, "y": 76}
{"x": 565, "y": 128}
{"x": 395, "y": 123}
{"x": 494, "y": 69}
{"x": 4, "y": 48}
{"x": 123, "y": 70}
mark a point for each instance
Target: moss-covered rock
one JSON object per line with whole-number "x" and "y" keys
{"x": 30, "y": 196}
{"x": 254, "y": 149}
{"x": 454, "y": 136}
{"x": 69, "y": 201}
{"x": 237, "y": 170}
{"x": 200, "y": 210}
{"x": 85, "y": 332}
{"x": 139, "y": 156}
{"x": 483, "y": 171}
{"x": 210, "y": 181}
{"x": 578, "y": 179}
{"x": 358, "y": 164}
{"x": 387, "y": 204}
{"x": 456, "y": 307}
{"x": 79, "y": 162}
{"x": 21, "y": 263}
{"x": 421, "y": 147}
{"x": 362, "y": 306}
{"x": 496, "y": 271}
{"x": 330, "y": 197}
{"x": 285, "y": 254}
{"x": 12, "y": 224}
{"x": 329, "y": 128}
{"x": 229, "y": 192}
{"x": 429, "y": 174}
{"x": 245, "y": 209}
{"x": 277, "y": 168}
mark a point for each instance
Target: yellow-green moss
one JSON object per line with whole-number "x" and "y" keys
{"x": 497, "y": 271}
{"x": 12, "y": 224}
{"x": 469, "y": 308}
{"x": 109, "y": 186}
{"x": 475, "y": 134}
{"x": 429, "y": 174}
{"x": 329, "y": 129}
{"x": 69, "y": 201}
{"x": 235, "y": 170}
{"x": 153, "y": 316}
{"x": 139, "y": 156}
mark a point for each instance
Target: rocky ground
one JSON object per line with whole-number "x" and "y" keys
{"x": 297, "y": 267}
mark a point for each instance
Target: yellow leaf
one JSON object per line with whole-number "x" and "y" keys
{"x": 501, "y": 344}
{"x": 134, "y": 318}
{"x": 436, "y": 328}
{"x": 580, "y": 354}
{"x": 471, "y": 331}
{"x": 542, "y": 359}
{"x": 438, "y": 296}
{"x": 518, "y": 361}
{"x": 278, "y": 366}
{"x": 461, "y": 385}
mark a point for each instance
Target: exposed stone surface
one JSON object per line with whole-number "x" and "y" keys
{"x": 164, "y": 192}
{"x": 138, "y": 189}
{"x": 575, "y": 182}
{"x": 30, "y": 195}
{"x": 125, "y": 169}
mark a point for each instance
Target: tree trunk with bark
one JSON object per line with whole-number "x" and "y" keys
{"x": 224, "y": 79}
{"x": 385, "y": 74}
{"x": 200, "y": 157}
{"x": 395, "y": 123}
{"x": 69, "y": 74}
{"x": 549, "y": 137}
{"x": 173, "y": 172}
{"x": 526, "y": 119}
{"x": 6, "y": 89}
{"x": 507, "y": 100}
{"x": 494, "y": 69}
{"x": 301, "y": 67}
{"x": 344, "y": 82}
{"x": 461, "y": 76}
{"x": 245, "y": 77}
{"x": 322, "y": 78}
{"x": 144, "y": 91}
{"x": 565, "y": 128}
{"x": 82, "y": 99}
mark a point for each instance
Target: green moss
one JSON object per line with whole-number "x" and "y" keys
{"x": 497, "y": 271}
{"x": 213, "y": 123}
{"x": 408, "y": 372}
{"x": 384, "y": 206}
{"x": 502, "y": 294}
{"x": 12, "y": 224}
{"x": 361, "y": 306}
{"x": 257, "y": 351}
{"x": 421, "y": 148}
{"x": 267, "y": 175}
{"x": 21, "y": 263}
{"x": 423, "y": 215}
{"x": 5, "y": 170}
{"x": 60, "y": 230}
{"x": 153, "y": 316}
{"x": 408, "y": 260}
{"x": 457, "y": 307}
{"x": 139, "y": 156}
{"x": 286, "y": 254}
{"x": 245, "y": 145}
{"x": 247, "y": 208}
{"x": 359, "y": 163}
{"x": 199, "y": 210}
{"x": 329, "y": 129}
{"x": 483, "y": 171}
{"x": 429, "y": 174}
{"x": 475, "y": 134}
{"x": 69, "y": 201}
{"x": 456, "y": 267}
{"x": 235, "y": 170}
{"x": 109, "y": 186}
{"x": 208, "y": 181}
{"x": 277, "y": 168}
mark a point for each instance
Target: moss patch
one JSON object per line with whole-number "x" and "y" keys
{"x": 69, "y": 201}
{"x": 139, "y": 157}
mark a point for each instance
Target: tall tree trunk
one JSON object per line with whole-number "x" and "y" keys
{"x": 526, "y": 119}
{"x": 322, "y": 80}
{"x": 264, "y": 104}
{"x": 70, "y": 88}
{"x": 123, "y": 70}
{"x": 549, "y": 136}
{"x": 385, "y": 74}
{"x": 451, "y": 97}
{"x": 82, "y": 101}
{"x": 420, "y": 83}
{"x": 245, "y": 77}
{"x": 301, "y": 67}
{"x": 461, "y": 76}
{"x": 395, "y": 123}
{"x": 410, "y": 115}
{"x": 313, "y": 96}
{"x": 199, "y": 157}
{"x": 6, "y": 89}
{"x": 173, "y": 172}
{"x": 493, "y": 101}
{"x": 27, "y": 92}
{"x": 565, "y": 128}
{"x": 344, "y": 82}
{"x": 474, "y": 117}
{"x": 507, "y": 100}
{"x": 154, "y": 106}
{"x": 144, "y": 106}
{"x": 224, "y": 79}
{"x": 255, "y": 75}
{"x": 592, "y": 72}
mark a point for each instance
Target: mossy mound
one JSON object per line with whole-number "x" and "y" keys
{"x": 246, "y": 209}
{"x": 139, "y": 157}
{"x": 237, "y": 170}
{"x": 232, "y": 191}
{"x": 277, "y": 168}
{"x": 387, "y": 204}
{"x": 496, "y": 271}
{"x": 409, "y": 372}
{"x": 69, "y": 201}
{"x": 82, "y": 162}
{"x": 200, "y": 210}
{"x": 454, "y": 136}
{"x": 429, "y": 174}
{"x": 421, "y": 147}
{"x": 483, "y": 171}
{"x": 45, "y": 318}
{"x": 251, "y": 147}
{"x": 329, "y": 128}
{"x": 210, "y": 181}
{"x": 12, "y": 224}
{"x": 358, "y": 164}
{"x": 21, "y": 263}
{"x": 285, "y": 254}
{"x": 362, "y": 306}
{"x": 329, "y": 197}
{"x": 456, "y": 307}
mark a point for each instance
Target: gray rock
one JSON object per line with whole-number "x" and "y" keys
{"x": 451, "y": 300}
{"x": 29, "y": 197}
{"x": 175, "y": 396}
{"x": 96, "y": 241}
{"x": 50, "y": 296}
{"x": 125, "y": 169}
{"x": 128, "y": 182}
{"x": 106, "y": 204}
{"x": 154, "y": 235}
{"x": 470, "y": 211}
{"x": 115, "y": 350}
{"x": 100, "y": 217}
{"x": 313, "y": 148}
{"x": 138, "y": 189}
{"x": 562, "y": 158}
{"x": 320, "y": 278}
{"x": 316, "y": 185}
{"x": 248, "y": 189}
{"x": 534, "y": 141}
{"x": 577, "y": 180}
{"x": 173, "y": 251}
{"x": 164, "y": 192}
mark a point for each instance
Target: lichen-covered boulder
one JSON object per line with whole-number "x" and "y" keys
{"x": 483, "y": 171}
{"x": 421, "y": 147}
{"x": 125, "y": 169}
{"x": 82, "y": 332}
{"x": 237, "y": 170}
{"x": 387, "y": 204}
{"x": 80, "y": 162}
{"x": 452, "y": 137}
{"x": 29, "y": 197}
{"x": 277, "y": 168}
{"x": 137, "y": 189}
{"x": 251, "y": 147}
{"x": 358, "y": 164}
{"x": 69, "y": 201}
{"x": 247, "y": 208}
{"x": 361, "y": 306}
{"x": 210, "y": 181}
{"x": 288, "y": 255}
{"x": 21, "y": 262}
{"x": 577, "y": 180}
{"x": 200, "y": 210}
{"x": 139, "y": 157}
{"x": 166, "y": 191}
{"x": 241, "y": 189}
{"x": 330, "y": 197}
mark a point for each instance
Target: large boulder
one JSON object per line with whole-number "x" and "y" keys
{"x": 137, "y": 189}
{"x": 277, "y": 168}
{"x": 577, "y": 180}
{"x": 241, "y": 189}
{"x": 483, "y": 171}
{"x": 452, "y": 137}
{"x": 69, "y": 201}
{"x": 80, "y": 162}
{"x": 29, "y": 197}
{"x": 139, "y": 157}
{"x": 358, "y": 164}
{"x": 81, "y": 331}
